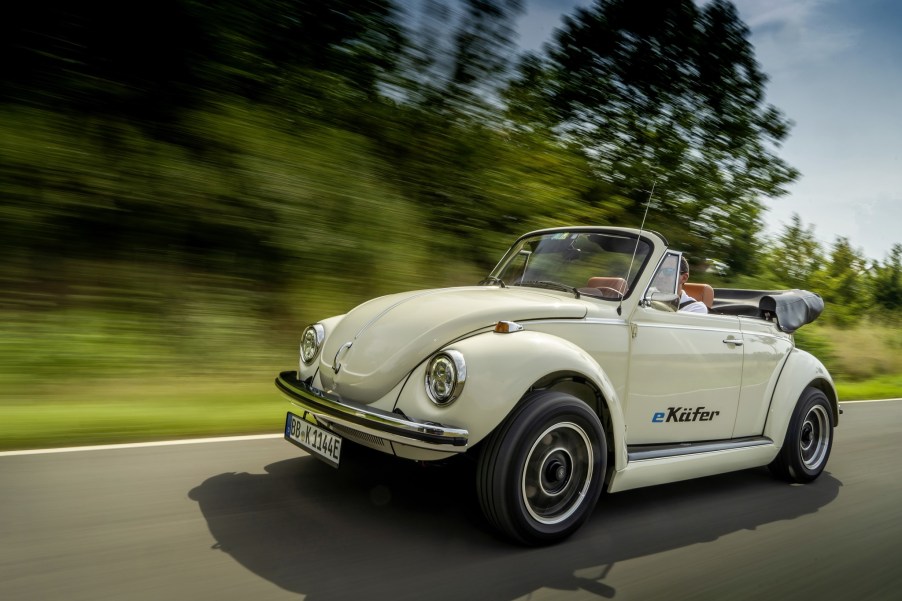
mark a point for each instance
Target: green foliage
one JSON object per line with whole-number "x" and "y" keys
{"x": 793, "y": 259}
{"x": 844, "y": 283}
{"x": 813, "y": 339}
{"x": 887, "y": 282}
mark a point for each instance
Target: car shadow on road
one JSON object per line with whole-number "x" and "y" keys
{"x": 382, "y": 529}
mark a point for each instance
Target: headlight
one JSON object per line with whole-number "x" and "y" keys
{"x": 311, "y": 342}
{"x": 446, "y": 373}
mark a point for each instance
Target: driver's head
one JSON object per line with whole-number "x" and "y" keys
{"x": 684, "y": 271}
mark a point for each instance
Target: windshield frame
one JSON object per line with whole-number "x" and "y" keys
{"x": 637, "y": 262}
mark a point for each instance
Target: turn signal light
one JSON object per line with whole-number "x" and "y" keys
{"x": 507, "y": 327}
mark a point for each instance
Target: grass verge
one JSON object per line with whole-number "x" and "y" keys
{"x": 118, "y": 412}
{"x": 882, "y": 387}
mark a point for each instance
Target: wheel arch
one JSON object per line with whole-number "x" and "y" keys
{"x": 502, "y": 369}
{"x": 801, "y": 370}
{"x": 586, "y": 390}
{"x": 828, "y": 389}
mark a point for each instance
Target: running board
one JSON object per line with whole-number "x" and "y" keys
{"x": 649, "y": 465}
{"x": 658, "y": 451}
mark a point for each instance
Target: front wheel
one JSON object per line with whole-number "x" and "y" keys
{"x": 808, "y": 441}
{"x": 541, "y": 472}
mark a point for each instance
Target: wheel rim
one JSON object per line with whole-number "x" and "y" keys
{"x": 557, "y": 473}
{"x": 814, "y": 437}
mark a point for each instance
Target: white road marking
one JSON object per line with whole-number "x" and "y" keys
{"x": 841, "y": 402}
{"x": 139, "y": 445}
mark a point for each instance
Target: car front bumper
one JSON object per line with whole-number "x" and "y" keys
{"x": 330, "y": 409}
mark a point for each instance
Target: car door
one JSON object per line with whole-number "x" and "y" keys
{"x": 685, "y": 375}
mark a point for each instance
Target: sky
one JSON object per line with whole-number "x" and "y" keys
{"x": 835, "y": 69}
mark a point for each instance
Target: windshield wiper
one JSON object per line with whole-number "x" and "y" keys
{"x": 549, "y": 285}
{"x": 489, "y": 281}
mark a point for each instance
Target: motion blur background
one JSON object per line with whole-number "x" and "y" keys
{"x": 184, "y": 184}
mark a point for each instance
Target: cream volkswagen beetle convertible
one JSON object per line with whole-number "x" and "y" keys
{"x": 569, "y": 370}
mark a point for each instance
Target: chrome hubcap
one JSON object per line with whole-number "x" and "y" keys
{"x": 557, "y": 473}
{"x": 814, "y": 438}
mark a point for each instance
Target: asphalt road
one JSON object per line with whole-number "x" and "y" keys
{"x": 257, "y": 520}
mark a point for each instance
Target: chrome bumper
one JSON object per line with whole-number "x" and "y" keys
{"x": 331, "y": 409}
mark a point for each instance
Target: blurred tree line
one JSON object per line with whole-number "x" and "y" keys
{"x": 188, "y": 159}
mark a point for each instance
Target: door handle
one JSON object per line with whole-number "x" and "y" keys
{"x": 733, "y": 341}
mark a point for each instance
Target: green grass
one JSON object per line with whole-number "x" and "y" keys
{"x": 132, "y": 411}
{"x": 883, "y": 387}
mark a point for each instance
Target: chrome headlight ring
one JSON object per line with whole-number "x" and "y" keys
{"x": 446, "y": 374}
{"x": 312, "y": 342}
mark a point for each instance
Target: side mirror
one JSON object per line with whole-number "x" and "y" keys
{"x": 662, "y": 301}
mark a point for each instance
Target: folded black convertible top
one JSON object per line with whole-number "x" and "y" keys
{"x": 791, "y": 308}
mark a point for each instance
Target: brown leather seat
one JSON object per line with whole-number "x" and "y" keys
{"x": 700, "y": 292}
{"x": 617, "y": 284}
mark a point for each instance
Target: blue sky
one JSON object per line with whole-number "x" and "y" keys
{"x": 835, "y": 69}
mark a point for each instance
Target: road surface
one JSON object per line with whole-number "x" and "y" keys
{"x": 257, "y": 520}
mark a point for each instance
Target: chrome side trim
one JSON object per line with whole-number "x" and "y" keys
{"x": 330, "y": 409}
{"x": 658, "y": 451}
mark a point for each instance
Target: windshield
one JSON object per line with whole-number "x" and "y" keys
{"x": 590, "y": 263}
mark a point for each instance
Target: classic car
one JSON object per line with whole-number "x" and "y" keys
{"x": 568, "y": 371}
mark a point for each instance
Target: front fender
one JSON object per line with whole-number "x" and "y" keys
{"x": 501, "y": 368}
{"x": 305, "y": 371}
{"x": 800, "y": 371}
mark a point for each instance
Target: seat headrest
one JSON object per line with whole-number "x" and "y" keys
{"x": 700, "y": 292}
{"x": 618, "y": 284}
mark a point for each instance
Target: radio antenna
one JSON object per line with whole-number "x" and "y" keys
{"x": 636, "y": 248}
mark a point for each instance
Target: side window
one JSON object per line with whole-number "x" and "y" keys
{"x": 665, "y": 279}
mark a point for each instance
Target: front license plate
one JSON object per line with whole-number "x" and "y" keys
{"x": 318, "y": 442}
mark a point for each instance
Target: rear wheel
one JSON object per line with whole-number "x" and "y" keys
{"x": 541, "y": 472}
{"x": 808, "y": 441}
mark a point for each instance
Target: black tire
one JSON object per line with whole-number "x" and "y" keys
{"x": 541, "y": 471}
{"x": 808, "y": 441}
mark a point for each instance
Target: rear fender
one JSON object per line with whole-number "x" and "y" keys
{"x": 501, "y": 369}
{"x": 800, "y": 371}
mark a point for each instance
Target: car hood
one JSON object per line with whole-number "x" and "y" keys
{"x": 376, "y": 344}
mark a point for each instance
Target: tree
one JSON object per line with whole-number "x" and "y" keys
{"x": 261, "y": 45}
{"x": 795, "y": 256}
{"x": 887, "y": 282}
{"x": 664, "y": 91}
{"x": 145, "y": 59}
{"x": 844, "y": 283}
{"x": 456, "y": 63}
